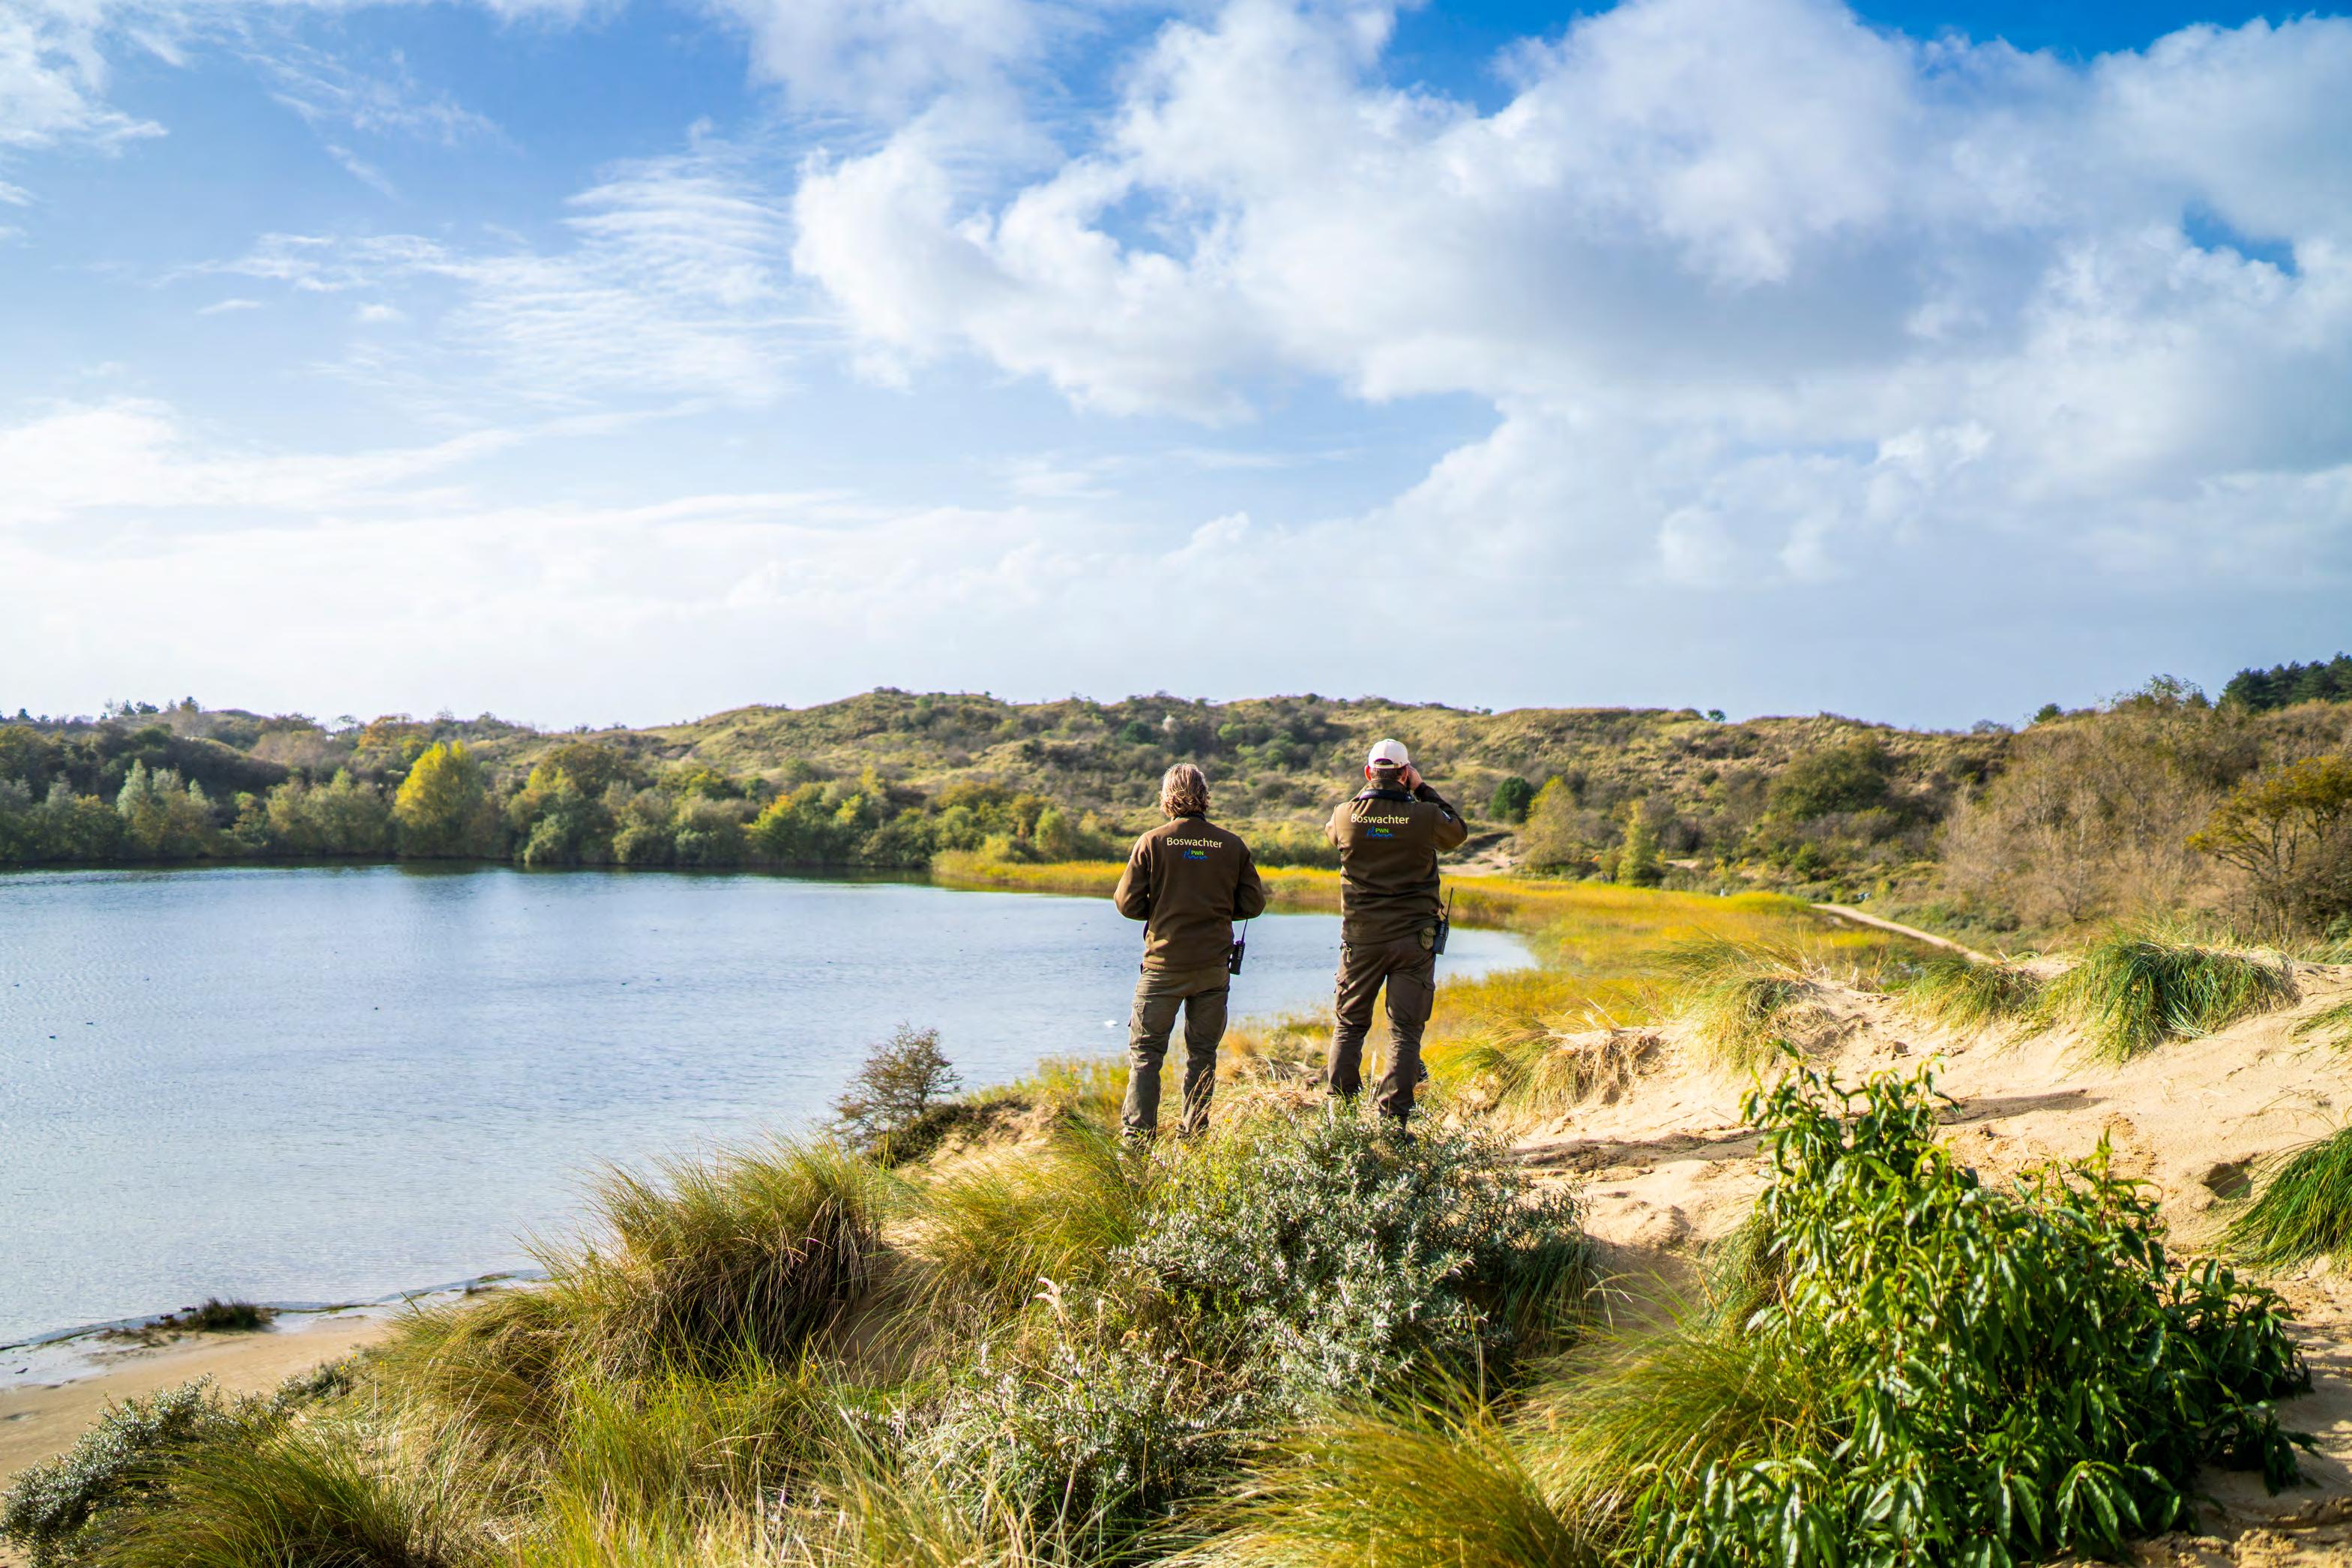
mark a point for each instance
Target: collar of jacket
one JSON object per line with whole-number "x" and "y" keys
{"x": 1384, "y": 795}
{"x": 1190, "y": 817}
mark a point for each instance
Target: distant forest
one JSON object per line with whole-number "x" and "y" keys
{"x": 2159, "y": 801}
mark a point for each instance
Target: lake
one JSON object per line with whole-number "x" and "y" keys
{"x": 334, "y": 1083}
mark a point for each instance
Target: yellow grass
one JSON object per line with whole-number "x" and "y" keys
{"x": 1601, "y": 960}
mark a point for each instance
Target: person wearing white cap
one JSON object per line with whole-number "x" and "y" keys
{"x": 1390, "y": 836}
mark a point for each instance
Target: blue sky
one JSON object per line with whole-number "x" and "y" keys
{"x": 623, "y": 360}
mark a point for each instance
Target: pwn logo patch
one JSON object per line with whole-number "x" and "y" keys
{"x": 1196, "y": 855}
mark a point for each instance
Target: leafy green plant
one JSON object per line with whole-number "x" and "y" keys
{"x": 2304, "y": 1208}
{"x": 1984, "y": 1374}
{"x": 2135, "y": 990}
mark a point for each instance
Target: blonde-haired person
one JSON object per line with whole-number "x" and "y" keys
{"x": 1188, "y": 881}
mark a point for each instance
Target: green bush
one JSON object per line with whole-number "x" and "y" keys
{"x": 1950, "y": 1373}
{"x": 1345, "y": 1258}
{"x": 1088, "y": 1423}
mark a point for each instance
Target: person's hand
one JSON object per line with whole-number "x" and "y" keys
{"x": 1409, "y": 776}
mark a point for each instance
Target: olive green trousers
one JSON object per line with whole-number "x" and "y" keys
{"x": 1159, "y": 992}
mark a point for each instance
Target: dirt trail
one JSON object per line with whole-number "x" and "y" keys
{"x": 1845, "y": 913}
{"x": 1670, "y": 1165}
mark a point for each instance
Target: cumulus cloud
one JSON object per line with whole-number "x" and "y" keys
{"x": 1816, "y": 286}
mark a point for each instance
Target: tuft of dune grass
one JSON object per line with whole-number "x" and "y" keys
{"x": 1968, "y": 996}
{"x": 1420, "y": 1483}
{"x": 2303, "y": 1208}
{"x": 989, "y": 1237}
{"x": 748, "y": 1253}
{"x": 2134, "y": 989}
{"x": 2333, "y": 1024}
{"x": 306, "y": 1494}
{"x": 1735, "y": 996}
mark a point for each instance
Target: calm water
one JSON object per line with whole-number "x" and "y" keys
{"x": 334, "y": 1083}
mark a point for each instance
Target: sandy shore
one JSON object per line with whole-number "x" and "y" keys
{"x": 40, "y": 1419}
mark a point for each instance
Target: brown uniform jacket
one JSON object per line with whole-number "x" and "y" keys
{"x": 1389, "y": 843}
{"x": 1190, "y": 880}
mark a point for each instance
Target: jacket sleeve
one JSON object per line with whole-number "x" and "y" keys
{"x": 1451, "y": 829}
{"x": 1331, "y": 828}
{"x": 1249, "y": 889}
{"x": 1133, "y": 894}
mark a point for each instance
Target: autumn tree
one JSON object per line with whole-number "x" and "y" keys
{"x": 444, "y": 806}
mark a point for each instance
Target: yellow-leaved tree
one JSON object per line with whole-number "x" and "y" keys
{"x": 443, "y": 804}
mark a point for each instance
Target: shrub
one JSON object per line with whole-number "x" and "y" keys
{"x": 1947, "y": 1371}
{"x": 117, "y": 1465}
{"x": 2304, "y": 1209}
{"x": 881, "y": 1112}
{"x": 1342, "y": 1256}
{"x": 2290, "y": 831}
{"x": 1088, "y": 1423}
{"x": 2134, "y": 989}
{"x": 1512, "y": 798}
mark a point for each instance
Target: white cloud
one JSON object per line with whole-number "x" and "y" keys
{"x": 1822, "y": 285}
{"x": 674, "y": 282}
{"x": 140, "y": 459}
{"x": 885, "y": 56}
{"x": 53, "y": 77}
{"x": 328, "y": 92}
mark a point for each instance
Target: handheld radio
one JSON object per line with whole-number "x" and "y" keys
{"x": 1445, "y": 926}
{"x": 1234, "y": 954}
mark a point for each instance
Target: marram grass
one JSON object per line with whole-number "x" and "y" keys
{"x": 1966, "y": 995}
{"x": 2133, "y": 991}
{"x": 2302, "y": 1209}
{"x": 2332, "y": 1025}
{"x": 1421, "y": 1484}
{"x": 1737, "y": 997}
